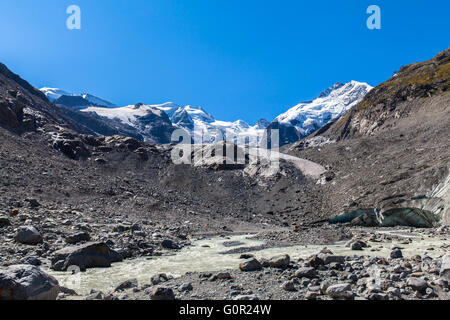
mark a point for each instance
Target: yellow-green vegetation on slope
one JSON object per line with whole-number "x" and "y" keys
{"x": 417, "y": 80}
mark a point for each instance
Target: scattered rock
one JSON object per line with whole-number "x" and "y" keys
{"x": 162, "y": 293}
{"x": 78, "y": 237}
{"x": 331, "y": 258}
{"x": 340, "y": 291}
{"x": 14, "y": 212}
{"x": 221, "y": 276}
{"x": 33, "y": 203}
{"x": 306, "y": 272}
{"x": 396, "y": 253}
{"x": 95, "y": 295}
{"x": 128, "y": 284}
{"x": 4, "y": 222}
{"x": 185, "y": 287}
{"x": 288, "y": 286}
{"x": 34, "y": 261}
{"x": 28, "y": 235}
{"x": 417, "y": 284}
{"x": 170, "y": 244}
{"x": 159, "y": 278}
{"x": 68, "y": 291}
{"x": 357, "y": 245}
{"x": 281, "y": 261}
{"x": 250, "y": 265}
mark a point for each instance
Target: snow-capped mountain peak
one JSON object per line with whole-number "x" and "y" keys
{"x": 297, "y": 122}
{"x": 54, "y": 93}
{"x": 78, "y": 101}
{"x": 309, "y": 116}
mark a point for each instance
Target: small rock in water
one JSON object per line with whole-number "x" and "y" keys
{"x": 159, "y": 278}
{"x": 132, "y": 283}
{"x": 357, "y": 245}
{"x": 396, "y": 254}
{"x": 170, "y": 244}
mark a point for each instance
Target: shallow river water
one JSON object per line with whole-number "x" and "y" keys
{"x": 207, "y": 255}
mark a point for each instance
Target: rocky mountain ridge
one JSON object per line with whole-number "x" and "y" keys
{"x": 294, "y": 124}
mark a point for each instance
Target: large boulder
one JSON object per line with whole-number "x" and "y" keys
{"x": 88, "y": 255}
{"x": 27, "y": 282}
{"x": 28, "y": 235}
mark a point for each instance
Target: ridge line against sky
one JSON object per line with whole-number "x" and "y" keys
{"x": 237, "y": 59}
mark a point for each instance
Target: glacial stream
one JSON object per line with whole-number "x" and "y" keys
{"x": 207, "y": 255}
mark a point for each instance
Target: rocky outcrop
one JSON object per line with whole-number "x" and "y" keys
{"x": 26, "y": 282}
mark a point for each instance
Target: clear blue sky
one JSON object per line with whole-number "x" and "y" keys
{"x": 238, "y": 59}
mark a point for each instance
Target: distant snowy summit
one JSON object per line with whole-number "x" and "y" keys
{"x": 294, "y": 124}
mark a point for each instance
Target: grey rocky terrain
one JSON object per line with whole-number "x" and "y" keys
{"x": 69, "y": 196}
